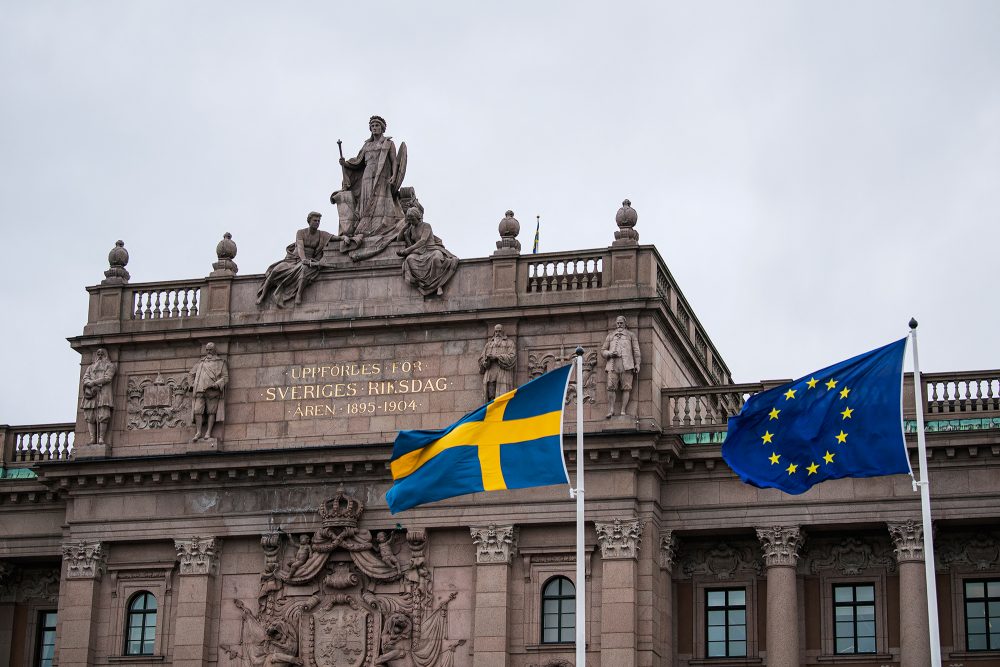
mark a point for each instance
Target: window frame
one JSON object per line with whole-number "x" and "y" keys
{"x": 986, "y": 599}
{"x": 40, "y": 630}
{"x": 853, "y": 605}
{"x": 828, "y": 582}
{"x": 701, "y": 585}
{"x": 126, "y": 581}
{"x": 143, "y": 614}
{"x": 562, "y": 580}
{"x": 726, "y": 608}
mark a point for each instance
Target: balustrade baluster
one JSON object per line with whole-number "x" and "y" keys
{"x": 172, "y": 299}
{"x": 676, "y": 419}
{"x": 687, "y": 411}
{"x": 185, "y": 306}
{"x": 194, "y": 302}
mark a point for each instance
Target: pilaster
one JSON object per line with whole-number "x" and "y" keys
{"x": 85, "y": 563}
{"x": 198, "y": 557}
{"x": 496, "y": 546}
{"x": 619, "y": 542}
{"x": 781, "y": 545}
{"x": 667, "y": 558}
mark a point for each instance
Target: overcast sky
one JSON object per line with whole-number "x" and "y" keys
{"x": 813, "y": 173}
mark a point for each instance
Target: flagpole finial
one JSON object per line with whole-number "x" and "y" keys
{"x": 913, "y": 323}
{"x": 579, "y": 351}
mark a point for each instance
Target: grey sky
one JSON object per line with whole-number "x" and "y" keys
{"x": 812, "y": 173}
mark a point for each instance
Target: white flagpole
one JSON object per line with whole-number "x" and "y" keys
{"x": 925, "y": 508}
{"x": 581, "y": 571}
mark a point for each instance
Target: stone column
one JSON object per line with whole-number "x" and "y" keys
{"x": 668, "y": 554}
{"x": 199, "y": 560}
{"x": 8, "y": 593}
{"x": 619, "y": 542}
{"x": 86, "y": 563}
{"x": 914, "y": 647}
{"x": 496, "y": 546}
{"x": 780, "y": 545}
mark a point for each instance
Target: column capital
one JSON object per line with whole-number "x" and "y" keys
{"x": 908, "y": 540}
{"x": 619, "y": 540}
{"x": 85, "y": 559}
{"x": 668, "y": 550}
{"x": 198, "y": 555}
{"x": 494, "y": 544}
{"x": 780, "y": 545}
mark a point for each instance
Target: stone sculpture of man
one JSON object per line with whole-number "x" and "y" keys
{"x": 496, "y": 363}
{"x": 285, "y": 280}
{"x": 208, "y": 379}
{"x": 98, "y": 398}
{"x": 621, "y": 350}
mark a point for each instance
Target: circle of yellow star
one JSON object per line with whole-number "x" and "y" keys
{"x": 790, "y": 394}
{"x": 774, "y": 457}
{"x": 844, "y": 392}
{"x": 812, "y": 468}
{"x": 842, "y": 438}
{"x": 812, "y": 382}
{"x": 773, "y": 414}
{"x": 831, "y": 384}
{"x": 767, "y": 437}
{"x": 791, "y": 468}
{"x": 847, "y": 413}
{"x": 829, "y": 457}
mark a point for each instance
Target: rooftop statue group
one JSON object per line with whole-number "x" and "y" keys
{"x": 374, "y": 211}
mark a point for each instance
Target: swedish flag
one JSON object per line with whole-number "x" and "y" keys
{"x": 538, "y": 226}
{"x": 845, "y": 420}
{"x": 512, "y": 442}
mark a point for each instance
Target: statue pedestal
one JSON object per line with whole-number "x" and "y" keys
{"x": 91, "y": 451}
{"x": 618, "y": 422}
{"x": 201, "y": 445}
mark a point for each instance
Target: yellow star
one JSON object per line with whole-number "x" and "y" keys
{"x": 791, "y": 468}
{"x": 831, "y": 384}
{"x": 767, "y": 437}
{"x": 828, "y": 458}
{"x": 842, "y": 438}
{"x": 773, "y": 414}
{"x": 844, "y": 392}
{"x": 789, "y": 394}
{"x": 774, "y": 457}
{"x": 812, "y": 382}
{"x": 812, "y": 468}
{"x": 847, "y": 413}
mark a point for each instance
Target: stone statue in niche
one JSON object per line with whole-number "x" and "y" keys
{"x": 286, "y": 280}
{"x": 497, "y": 363}
{"x": 207, "y": 382}
{"x": 97, "y": 398}
{"x": 368, "y": 202}
{"x": 347, "y": 603}
{"x": 427, "y": 265}
{"x": 621, "y": 350}
{"x": 158, "y": 402}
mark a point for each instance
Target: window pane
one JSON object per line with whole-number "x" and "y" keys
{"x": 866, "y": 629}
{"x": 716, "y": 649}
{"x": 993, "y": 588}
{"x": 866, "y": 645}
{"x": 738, "y": 632}
{"x": 550, "y": 620}
{"x": 150, "y": 601}
{"x": 147, "y": 648}
{"x": 550, "y": 635}
{"x": 550, "y": 606}
{"x": 995, "y": 641}
{"x": 843, "y": 593}
{"x": 716, "y": 598}
{"x": 843, "y": 613}
{"x": 845, "y": 629}
{"x": 865, "y": 612}
{"x": 568, "y": 606}
{"x": 975, "y": 609}
{"x": 134, "y": 634}
{"x": 134, "y": 647}
{"x": 716, "y": 633}
{"x": 976, "y": 642}
{"x": 865, "y": 593}
{"x": 994, "y": 608}
{"x": 716, "y": 618}
{"x": 567, "y": 634}
{"x": 977, "y": 626}
{"x": 974, "y": 589}
{"x": 737, "y": 617}
{"x": 845, "y": 646}
{"x": 737, "y": 648}
{"x": 737, "y": 598}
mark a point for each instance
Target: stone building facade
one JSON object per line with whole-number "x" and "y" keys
{"x": 267, "y": 540}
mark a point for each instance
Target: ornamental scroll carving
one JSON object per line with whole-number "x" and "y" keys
{"x": 620, "y": 539}
{"x": 198, "y": 555}
{"x": 543, "y": 361}
{"x": 850, "y": 557}
{"x": 84, "y": 559}
{"x": 343, "y": 597}
{"x": 721, "y": 560}
{"x": 495, "y": 544}
{"x": 908, "y": 539}
{"x": 19, "y": 584}
{"x": 780, "y": 545}
{"x": 158, "y": 402}
{"x": 668, "y": 550}
{"x": 979, "y": 551}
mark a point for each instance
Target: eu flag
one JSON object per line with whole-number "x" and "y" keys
{"x": 512, "y": 442}
{"x": 845, "y": 420}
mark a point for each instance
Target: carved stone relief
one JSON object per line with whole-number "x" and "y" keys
{"x": 343, "y": 598}
{"x": 781, "y": 545}
{"x": 979, "y": 551}
{"x": 721, "y": 560}
{"x": 619, "y": 539}
{"x": 85, "y": 559}
{"x": 668, "y": 550}
{"x": 495, "y": 544}
{"x": 849, "y": 556}
{"x": 19, "y": 584}
{"x": 543, "y": 360}
{"x": 908, "y": 539}
{"x": 158, "y": 402}
{"x": 198, "y": 555}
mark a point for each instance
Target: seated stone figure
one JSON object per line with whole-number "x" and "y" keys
{"x": 285, "y": 280}
{"x": 427, "y": 265}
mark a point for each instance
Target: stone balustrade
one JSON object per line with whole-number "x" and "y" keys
{"x": 962, "y": 393}
{"x": 165, "y": 301}
{"x": 25, "y": 445}
{"x": 559, "y": 273}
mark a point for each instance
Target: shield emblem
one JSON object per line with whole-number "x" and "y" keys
{"x": 340, "y": 636}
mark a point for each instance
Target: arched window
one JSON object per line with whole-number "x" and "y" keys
{"x": 141, "y": 624}
{"x": 558, "y": 611}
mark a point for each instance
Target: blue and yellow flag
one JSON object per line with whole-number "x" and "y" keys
{"x": 538, "y": 226}
{"x": 512, "y": 442}
{"x": 843, "y": 421}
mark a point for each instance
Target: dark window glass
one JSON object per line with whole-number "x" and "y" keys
{"x": 982, "y": 615}
{"x": 558, "y": 611}
{"x": 140, "y": 627}
{"x": 726, "y": 623}
{"x": 46, "y": 639}
{"x": 854, "y": 618}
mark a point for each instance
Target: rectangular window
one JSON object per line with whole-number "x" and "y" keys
{"x": 726, "y": 623}
{"x": 46, "y": 639}
{"x": 982, "y": 615}
{"x": 854, "y": 618}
